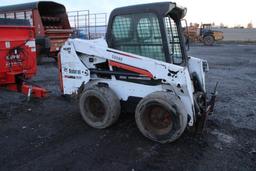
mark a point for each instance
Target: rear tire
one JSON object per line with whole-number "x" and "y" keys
{"x": 209, "y": 40}
{"x": 161, "y": 117}
{"x": 99, "y": 106}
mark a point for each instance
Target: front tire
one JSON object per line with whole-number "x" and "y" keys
{"x": 209, "y": 40}
{"x": 99, "y": 106}
{"x": 161, "y": 117}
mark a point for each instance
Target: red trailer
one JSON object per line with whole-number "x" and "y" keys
{"x": 50, "y": 20}
{"x": 18, "y": 57}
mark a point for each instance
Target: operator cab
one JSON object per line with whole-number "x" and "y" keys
{"x": 151, "y": 30}
{"x": 205, "y": 28}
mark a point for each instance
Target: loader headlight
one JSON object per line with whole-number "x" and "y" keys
{"x": 205, "y": 66}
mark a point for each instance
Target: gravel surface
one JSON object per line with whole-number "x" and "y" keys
{"x": 50, "y": 134}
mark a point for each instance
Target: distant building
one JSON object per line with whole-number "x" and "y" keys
{"x": 250, "y": 25}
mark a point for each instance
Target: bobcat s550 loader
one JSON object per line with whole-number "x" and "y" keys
{"x": 141, "y": 65}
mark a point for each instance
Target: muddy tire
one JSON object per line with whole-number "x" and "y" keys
{"x": 161, "y": 117}
{"x": 99, "y": 106}
{"x": 209, "y": 40}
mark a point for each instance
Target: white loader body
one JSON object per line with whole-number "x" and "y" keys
{"x": 78, "y": 60}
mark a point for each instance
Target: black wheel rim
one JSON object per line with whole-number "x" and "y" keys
{"x": 157, "y": 119}
{"x": 95, "y": 108}
{"x": 209, "y": 40}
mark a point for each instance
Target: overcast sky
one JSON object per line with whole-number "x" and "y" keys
{"x": 229, "y": 12}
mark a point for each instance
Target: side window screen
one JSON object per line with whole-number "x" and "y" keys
{"x": 138, "y": 34}
{"x": 174, "y": 40}
{"x": 122, "y": 28}
{"x": 144, "y": 29}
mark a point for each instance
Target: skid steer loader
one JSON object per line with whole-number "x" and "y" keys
{"x": 142, "y": 66}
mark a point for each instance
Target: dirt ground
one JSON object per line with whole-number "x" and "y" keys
{"x": 50, "y": 134}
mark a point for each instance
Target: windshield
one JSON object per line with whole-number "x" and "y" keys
{"x": 174, "y": 40}
{"x": 138, "y": 34}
